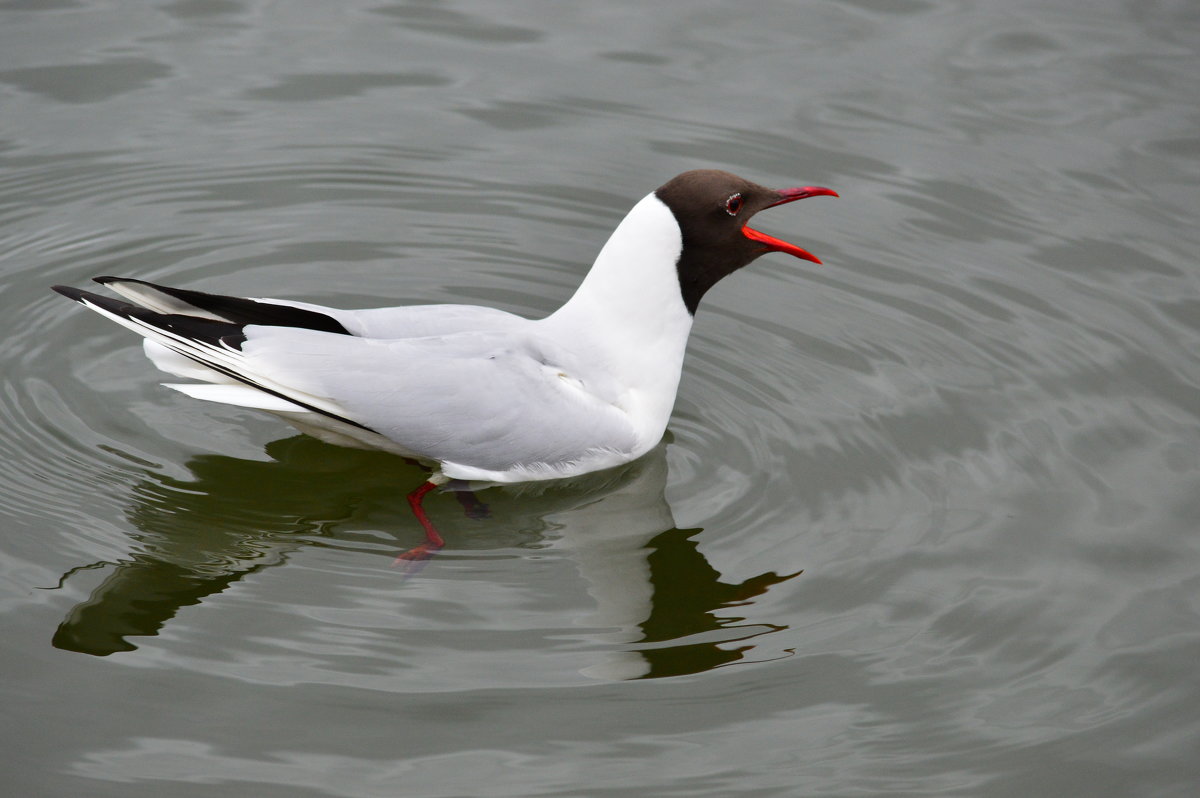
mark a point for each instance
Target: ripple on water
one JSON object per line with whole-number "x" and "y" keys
{"x": 87, "y": 83}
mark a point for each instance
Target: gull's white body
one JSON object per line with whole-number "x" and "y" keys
{"x": 476, "y": 393}
{"x": 479, "y": 393}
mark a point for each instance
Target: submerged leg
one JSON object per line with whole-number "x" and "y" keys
{"x": 475, "y": 508}
{"x": 413, "y": 558}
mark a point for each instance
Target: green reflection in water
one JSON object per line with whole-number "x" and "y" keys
{"x": 196, "y": 537}
{"x": 688, "y": 599}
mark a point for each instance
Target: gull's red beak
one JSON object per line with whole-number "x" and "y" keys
{"x": 787, "y": 195}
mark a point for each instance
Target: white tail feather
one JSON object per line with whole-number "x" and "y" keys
{"x": 240, "y": 395}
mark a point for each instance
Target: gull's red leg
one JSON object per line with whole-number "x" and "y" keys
{"x": 433, "y": 540}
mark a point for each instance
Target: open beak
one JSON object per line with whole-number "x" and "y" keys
{"x": 787, "y": 195}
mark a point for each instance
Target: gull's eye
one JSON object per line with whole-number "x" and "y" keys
{"x": 733, "y": 205}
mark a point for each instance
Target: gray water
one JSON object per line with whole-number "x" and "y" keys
{"x": 926, "y": 518}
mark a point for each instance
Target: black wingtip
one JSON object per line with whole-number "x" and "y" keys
{"x": 106, "y": 279}
{"x": 209, "y": 331}
{"x": 117, "y": 306}
{"x": 70, "y": 292}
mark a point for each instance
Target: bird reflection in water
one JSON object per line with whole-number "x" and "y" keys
{"x": 659, "y": 606}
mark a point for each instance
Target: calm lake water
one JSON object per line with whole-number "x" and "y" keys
{"x": 927, "y": 519}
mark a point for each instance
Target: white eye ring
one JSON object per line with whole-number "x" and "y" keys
{"x": 733, "y": 204}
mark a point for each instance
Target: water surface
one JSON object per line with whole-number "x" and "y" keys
{"x": 925, "y": 519}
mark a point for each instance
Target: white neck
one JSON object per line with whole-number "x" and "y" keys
{"x": 628, "y": 315}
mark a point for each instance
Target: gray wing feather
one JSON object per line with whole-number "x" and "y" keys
{"x": 480, "y": 398}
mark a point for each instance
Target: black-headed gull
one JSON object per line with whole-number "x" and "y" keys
{"x": 476, "y": 393}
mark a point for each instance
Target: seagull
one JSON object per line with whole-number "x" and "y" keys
{"x": 474, "y": 393}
